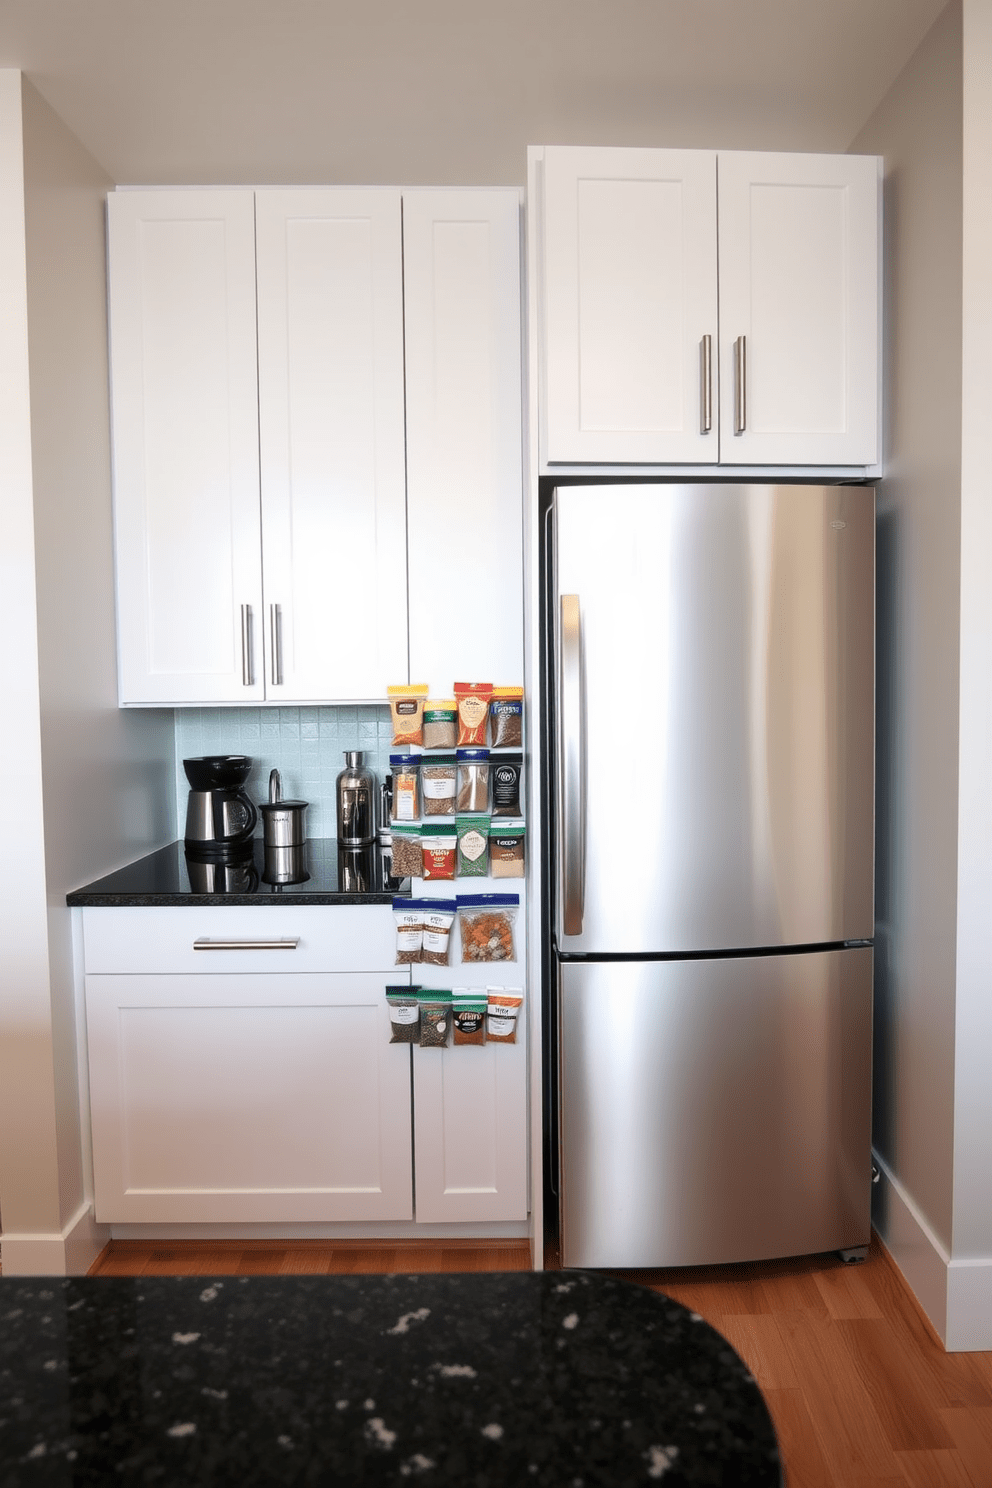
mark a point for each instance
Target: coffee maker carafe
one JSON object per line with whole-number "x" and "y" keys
{"x": 220, "y": 817}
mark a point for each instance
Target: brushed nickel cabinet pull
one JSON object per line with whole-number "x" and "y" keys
{"x": 245, "y": 945}
{"x": 740, "y": 384}
{"x": 275, "y": 643}
{"x": 706, "y": 385}
{"x": 247, "y": 660}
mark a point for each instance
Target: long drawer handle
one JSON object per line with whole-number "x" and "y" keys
{"x": 740, "y": 385}
{"x": 706, "y": 385}
{"x": 245, "y": 945}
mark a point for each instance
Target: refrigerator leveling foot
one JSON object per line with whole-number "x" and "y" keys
{"x": 854, "y": 1255}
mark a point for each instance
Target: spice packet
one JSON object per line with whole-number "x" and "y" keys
{"x": 506, "y": 850}
{"x": 438, "y": 844}
{"x": 409, "y": 931}
{"x": 407, "y": 707}
{"x": 505, "y": 780}
{"x": 473, "y": 780}
{"x": 435, "y": 1018}
{"x": 473, "y": 846}
{"x": 506, "y": 717}
{"x": 503, "y": 1005}
{"x": 437, "y": 916}
{"x": 440, "y": 723}
{"x": 486, "y": 923}
{"x": 438, "y": 779}
{"x": 469, "y": 1016}
{"x": 405, "y": 770}
{"x": 404, "y": 1015}
{"x": 407, "y": 858}
{"x": 473, "y": 710}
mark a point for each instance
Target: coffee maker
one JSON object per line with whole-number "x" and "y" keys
{"x": 220, "y": 817}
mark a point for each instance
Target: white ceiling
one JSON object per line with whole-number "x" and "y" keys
{"x": 447, "y": 90}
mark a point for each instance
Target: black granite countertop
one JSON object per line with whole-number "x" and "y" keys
{"x": 562, "y": 1379}
{"x": 334, "y": 876}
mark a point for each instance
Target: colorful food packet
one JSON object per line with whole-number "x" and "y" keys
{"x": 440, "y": 723}
{"x": 438, "y": 847}
{"x": 404, "y": 1015}
{"x": 405, "y": 770}
{"x": 473, "y": 846}
{"x": 506, "y": 717}
{"x": 486, "y": 924}
{"x": 505, "y": 781}
{"x": 506, "y": 850}
{"x": 473, "y": 779}
{"x": 438, "y": 779}
{"x": 407, "y": 858}
{"x": 469, "y": 1015}
{"x": 503, "y": 1005}
{"x": 409, "y": 931}
{"x": 473, "y": 710}
{"x": 435, "y": 1018}
{"x": 437, "y": 916}
{"x": 407, "y": 707}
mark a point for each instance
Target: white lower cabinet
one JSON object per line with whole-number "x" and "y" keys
{"x": 240, "y": 1071}
{"x": 470, "y": 1132}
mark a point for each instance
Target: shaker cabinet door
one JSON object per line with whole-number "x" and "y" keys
{"x": 798, "y": 309}
{"x": 330, "y": 360}
{"x": 461, "y": 264}
{"x": 185, "y": 419}
{"x": 630, "y": 296}
{"x": 247, "y": 1097}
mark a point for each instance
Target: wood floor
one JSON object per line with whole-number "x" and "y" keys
{"x": 861, "y": 1391}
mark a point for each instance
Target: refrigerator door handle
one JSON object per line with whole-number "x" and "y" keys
{"x": 571, "y": 767}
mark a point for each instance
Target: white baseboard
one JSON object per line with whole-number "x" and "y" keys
{"x": 69, "y": 1252}
{"x": 956, "y": 1295}
{"x": 342, "y": 1230}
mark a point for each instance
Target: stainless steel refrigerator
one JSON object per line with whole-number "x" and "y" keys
{"x": 710, "y": 795}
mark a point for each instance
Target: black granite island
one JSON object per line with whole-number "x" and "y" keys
{"x": 563, "y": 1379}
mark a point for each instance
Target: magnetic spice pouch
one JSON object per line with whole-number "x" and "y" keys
{"x": 404, "y": 1015}
{"x": 473, "y": 845}
{"x": 437, "y": 917}
{"x": 438, "y": 779}
{"x": 407, "y": 707}
{"x": 506, "y": 850}
{"x": 505, "y": 776}
{"x": 438, "y": 844}
{"x": 435, "y": 1018}
{"x": 469, "y": 1016}
{"x": 486, "y": 924}
{"x": 506, "y": 717}
{"x": 503, "y": 1007}
{"x": 473, "y": 780}
{"x": 407, "y": 859}
{"x": 440, "y": 723}
{"x": 472, "y": 699}
{"x": 409, "y": 931}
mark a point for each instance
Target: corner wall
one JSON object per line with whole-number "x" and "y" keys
{"x": 92, "y": 786}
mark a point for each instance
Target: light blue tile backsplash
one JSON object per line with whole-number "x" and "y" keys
{"x": 306, "y": 746}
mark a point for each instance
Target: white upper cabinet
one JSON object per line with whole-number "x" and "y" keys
{"x": 635, "y": 368}
{"x": 461, "y": 256}
{"x": 185, "y": 413}
{"x": 315, "y": 457}
{"x": 798, "y": 309}
{"x": 330, "y": 373}
{"x": 630, "y": 296}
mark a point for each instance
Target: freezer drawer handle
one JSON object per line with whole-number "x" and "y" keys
{"x": 570, "y": 692}
{"x": 245, "y": 945}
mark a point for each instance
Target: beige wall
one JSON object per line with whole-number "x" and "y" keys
{"x": 107, "y": 774}
{"x": 918, "y": 130}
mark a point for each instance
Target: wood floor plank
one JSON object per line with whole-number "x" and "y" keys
{"x": 307, "y": 1262}
{"x": 845, "y": 1421}
{"x": 897, "y": 1388}
{"x": 971, "y": 1432}
{"x": 806, "y": 1466}
{"x": 846, "y": 1291}
{"x": 944, "y": 1469}
{"x": 758, "y": 1341}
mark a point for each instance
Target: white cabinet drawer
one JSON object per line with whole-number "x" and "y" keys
{"x": 239, "y": 938}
